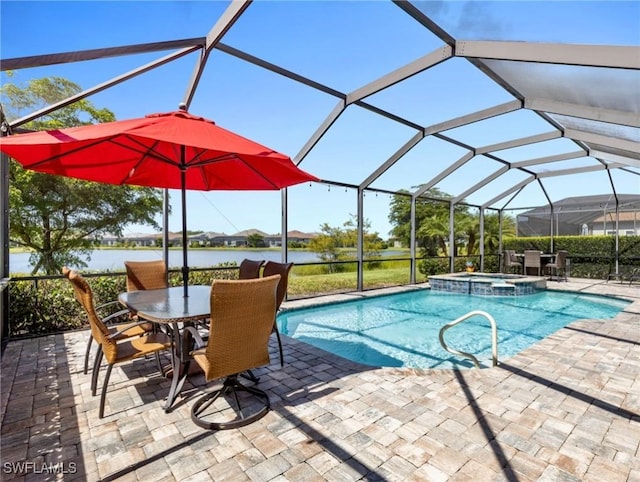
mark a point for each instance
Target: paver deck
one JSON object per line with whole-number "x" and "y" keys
{"x": 565, "y": 409}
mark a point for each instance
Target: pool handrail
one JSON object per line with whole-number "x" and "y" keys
{"x": 494, "y": 337}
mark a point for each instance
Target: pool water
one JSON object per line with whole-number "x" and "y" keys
{"x": 402, "y": 330}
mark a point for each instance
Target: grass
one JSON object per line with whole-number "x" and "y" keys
{"x": 312, "y": 280}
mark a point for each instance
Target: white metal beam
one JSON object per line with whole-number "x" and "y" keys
{"x": 459, "y": 163}
{"x": 623, "y": 57}
{"x": 583, "y": 111}
{"x": 474, "y": 117}
{"x": 607, "y": 156}
{"x": 413, "y": 68}
{"x": 224, "y": 23}
{"x": 410, "y": 144}
{"x": 523, "y": 141}
{"x": 576, "y": 170}
{"x": 591, "y": 137}
{"x": 546, "y": 159}
{"x": 320, "y": 131}
{"x": 509, "y": 191}
{"x": 104, "y": 85}
{"x": 480, "y": 184}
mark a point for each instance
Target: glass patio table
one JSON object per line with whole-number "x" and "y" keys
{"x": 169, "y": 308}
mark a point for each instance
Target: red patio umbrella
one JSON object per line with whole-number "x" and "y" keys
{"x": 175, "y": 150}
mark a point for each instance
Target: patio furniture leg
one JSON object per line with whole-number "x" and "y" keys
{"x": 231, "y": 386}
{"x": 86, "y": 354}
{"x": 179, "y": 376}
{"x": 103, "y": 395}
{"x": 249, "y": 375}
{"x": 96, "y": 370}
{"x": 158, "y": 364}
{"x": 275, "y": 328}
{"x": 180, "y": 363}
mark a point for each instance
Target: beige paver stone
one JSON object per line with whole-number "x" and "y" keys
{"x": 410, "y": 431}
{"x": 447, "y": 438}
{"x": 156, "y": 470}
{"x": 474, "y": 471}
{"x": 185, "y": 463}
{"x": 229, "y": 446}
{"x": 554, "y": 474}
{"x": 347, "y": 471}
{"x": 411, "y": 452}
{"x": 294, "y": 437}
{"x": 202, "y": 476}
{"x": 303, "y": 472}
{"x": 122, "y": 462}
{"x": 603, "y": 469}
{"x": 429, "y": 473}
{"x": 227, "y": 471}
{"x": 269, "y": 444}
{"x": 527, "y": 465}
{"x": 268, "y": 469}
{"x": 249, "y": 458}
{"x": 323, "y": 462}
{"x": 448, "y": 460}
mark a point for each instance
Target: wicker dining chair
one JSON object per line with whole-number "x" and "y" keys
{"x": 141, "y": 275}
{"x": 242, "y": 314}
{"x": 115, "y": 346}
{"x": 532, "y": 260}
{"x": 146, "y": 275}
{"x": 559, "y": 265}
{"x": 116, "y": 320}
{"x": 283, "y": 270}
{"x": 250, "y": 269}
{"x": 511, "y": 261}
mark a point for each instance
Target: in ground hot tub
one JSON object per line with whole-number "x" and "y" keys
{"x": 487, "y": 284}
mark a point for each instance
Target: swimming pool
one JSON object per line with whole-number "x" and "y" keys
{"x": 401, "y": 330}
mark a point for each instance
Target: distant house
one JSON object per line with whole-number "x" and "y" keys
{"x": 133, "y": 239}
{"x": 209, "y": 238}
{"x": 240, "y": 238}
{"x": 628, "y": 224}
{"x": 300, "y": 237}
{"x": 583, "y": 215}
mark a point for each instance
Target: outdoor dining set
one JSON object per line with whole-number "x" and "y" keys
{"x": 223, "y": 330}
{"x": 536, "y": 262}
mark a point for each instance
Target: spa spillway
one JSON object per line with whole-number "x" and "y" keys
{"x": 487, "y": 284}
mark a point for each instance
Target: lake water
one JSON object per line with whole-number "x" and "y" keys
{"x": 113, "y": 259}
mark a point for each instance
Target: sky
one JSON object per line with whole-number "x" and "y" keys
{"x": 342, "y": 45}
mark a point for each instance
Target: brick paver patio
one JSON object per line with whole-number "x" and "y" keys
{"x": 565, "y": 409}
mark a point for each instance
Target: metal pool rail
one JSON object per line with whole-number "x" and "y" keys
{"x": 494, "y": 337}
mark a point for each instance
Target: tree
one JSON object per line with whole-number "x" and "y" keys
{"x": 327, "y": 245}
{"x": 255, "y": 240}
{"x": 432, "y": 220}
{"x": 59, "y": 218}
{"x": 331, "y": 242}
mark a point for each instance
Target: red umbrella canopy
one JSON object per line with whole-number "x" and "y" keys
{"x": 153, "y": 151}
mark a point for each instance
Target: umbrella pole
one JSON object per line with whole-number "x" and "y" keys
{"x": 185, "y": 267}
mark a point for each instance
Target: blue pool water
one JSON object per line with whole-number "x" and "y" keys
{"x": 402, "y": 330}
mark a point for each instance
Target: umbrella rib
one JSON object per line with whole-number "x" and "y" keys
{"x": 259, "y": 174}
{"x": 64, "y": 154}
{"x": 228, "y": 157}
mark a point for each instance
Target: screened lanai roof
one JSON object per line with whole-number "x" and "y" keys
{"x": 380, "y": 96}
